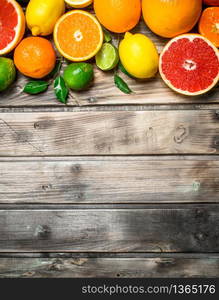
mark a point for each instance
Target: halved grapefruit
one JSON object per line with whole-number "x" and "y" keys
{"x": 12, "y": 25}
{"x": 189, "y": 64}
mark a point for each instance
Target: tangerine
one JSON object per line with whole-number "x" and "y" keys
{"x": 35, "y": 57}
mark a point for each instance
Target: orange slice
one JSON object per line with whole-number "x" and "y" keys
{"x": 12, "y": 25}
{"x": 78, "y": 35}
{"x": 79, "y": 3}
{"x": 209, "y": 24}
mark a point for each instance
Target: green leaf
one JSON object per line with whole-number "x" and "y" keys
{"x": 56, "y": 69}
{"x": 107, "y": 36}
{"x": 61, "y": 91}
{"x": 121, "y": 68}
{"x": 122, "y": 85}
{"x": 35, "y": 87}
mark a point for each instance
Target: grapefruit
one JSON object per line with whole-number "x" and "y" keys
{"x": 12, "y": 25}
{"x": 189, "y": 64}
{"x": 169, "y": 18}
{"x": 118, "y": 16}
{"x": 78, "y": 35}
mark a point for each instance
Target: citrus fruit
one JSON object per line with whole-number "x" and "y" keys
{"x": 78, "y": 35}
{"x": 139, "y": 55}
{"x": 35, "y": 57}
{"x": 7, "y": 73}
{"x": 79, "y": 3}
{"x": 108, "y": 57}
{"x": 78, "y": 76}
{"x": 189, "y": 64}
{"x": 169, "y": 18}
{"x": 12, "y": 25}
{"x": 118, "y": 16}
{"x": 209, "y": 24}
{"x": 211, "y": 2}
{"x": 41, "y": 15}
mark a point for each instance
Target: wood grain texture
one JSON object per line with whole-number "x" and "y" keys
{"x": 167, "y": 229}
{"x": 104, "y": 92}
{"x": 109, "y": 267}
{"x": 110, "y": 180}
{"x": 109, "y": 133}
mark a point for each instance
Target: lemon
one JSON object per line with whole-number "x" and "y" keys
{"x": 78, "y": 3}
{"x": 139, "y": 55}
{"x": 41, "y": 15}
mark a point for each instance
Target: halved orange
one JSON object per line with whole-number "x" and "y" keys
{"x": 209, "y": 24}
{"x": 78, "y": 35}
{"x": 12, "y": 25}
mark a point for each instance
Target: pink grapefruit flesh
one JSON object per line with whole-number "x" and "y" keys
{"x": 12, "y": 25}
{"x": 189, "y": 64}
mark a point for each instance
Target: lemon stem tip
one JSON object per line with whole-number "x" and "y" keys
{"x": 128, "y": 35}
{"x": 35, "y": 30}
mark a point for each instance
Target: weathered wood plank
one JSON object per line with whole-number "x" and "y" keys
{"x": 104, "y": 92}
{"x": 167, "y": 229}
{"x": 112, "y": 180}
{"x": 109, "y": 133}
{"x": 109, "y": 267}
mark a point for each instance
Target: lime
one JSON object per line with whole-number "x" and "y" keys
{"x": 7, "y": 73}
{"x": 78, "y": 76}
{"x": 108, "y": 57}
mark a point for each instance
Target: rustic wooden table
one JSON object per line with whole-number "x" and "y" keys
{"x": 109, "y": 185}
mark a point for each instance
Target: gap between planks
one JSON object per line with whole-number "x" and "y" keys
{"x": 171, "y": 107}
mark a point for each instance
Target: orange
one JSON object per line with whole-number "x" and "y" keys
{"x": 209, "y": 24}
{"x": 169, "y": 18}
{"x": 35, "y": 57}
{"x": 118, "y": 16}
{"x": 78, "y": 35}
{"x": 12, "y": 25}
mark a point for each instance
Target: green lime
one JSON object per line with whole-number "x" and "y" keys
{"x": 108, "y": 57}
{"x": 78, "y": 76}
{"x": 7, "y": 73}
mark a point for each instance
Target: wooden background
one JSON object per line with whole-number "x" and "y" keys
{"x": 109, "y": 185}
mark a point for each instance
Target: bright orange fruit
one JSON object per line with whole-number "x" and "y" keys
{"x": 78, "y": 35}
{"x": 209, "y": 24}
{"x": 169, "y": 18}
{"x": 35, "y": 57}
{"x": 118, "y": 16}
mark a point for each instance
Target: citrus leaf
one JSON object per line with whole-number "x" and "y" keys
{"x": 61, "y": 91}
{"x": 35, "y": 87}
{"x": 107, "y": 36}
{"x": 121, "y": 68}
{"x": 122, "y": 85}
{"x": 56, "y": 69}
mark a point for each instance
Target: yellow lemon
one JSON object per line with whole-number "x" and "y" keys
{"x": 139, "y": 55}
{"x": 42, "y": 15}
